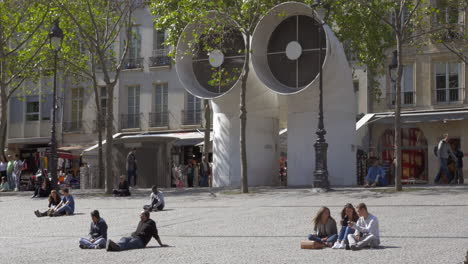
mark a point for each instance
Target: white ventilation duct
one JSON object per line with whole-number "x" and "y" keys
{"x": 195, "y": 68}
{"x": 285, "y": 56}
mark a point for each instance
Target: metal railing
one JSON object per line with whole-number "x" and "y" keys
{"x": 73, "y": 126}
{"x": 160, "y": 58}
{"x": 130, "y": 121}
{"x": 191, "y": 117}
{"x": 159, "y": 119}
{"x": 449, "y": 96}
{"x": 133, "y": 63}
{"x": 407, "y": 99}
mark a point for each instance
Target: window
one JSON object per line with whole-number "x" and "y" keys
{"x": 16, "y": 110}
{"x": 46, "y": 106}
{"x": 447, "y": 82}
{"x": 133, "y": 118}
{"x": 407, "y": 87}
{"x": 76, "y": 107}
{"x": 192, "y": 110}
{"x": 159, "y": 36}
{"x": 32, "y": 108}
{"x": 448, "y": 12}
{"x": 103, "y": 100}
{"x": 160, "y": 116}
{"x": 134, "y": 48}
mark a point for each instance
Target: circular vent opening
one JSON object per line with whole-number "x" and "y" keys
{"x": 218, "y": 60}
{"x": 293, "y": 51}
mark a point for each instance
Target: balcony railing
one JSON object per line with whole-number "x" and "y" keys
{"x": 407, "y": 99}
{"x": 133, "y": 63}
{"x": 191, "y": 117}
{"x": 449, "y": 96}
{"x": 159, "y": 119}
{"x": 160, "y": 58}
{"x": 128, "y": 121}
{"x": 73, "y": 126}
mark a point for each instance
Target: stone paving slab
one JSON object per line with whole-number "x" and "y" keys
{"x": 421, "y": 225}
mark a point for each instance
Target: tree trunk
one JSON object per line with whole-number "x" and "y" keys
{"x": 99, "y": 119}
{"x": 207, "y": 142}
{"x": 397, "y": 141}
{"x": 3, "y": 121}
{"x": 109, "y": 183}
{"x": 243, "y": 120}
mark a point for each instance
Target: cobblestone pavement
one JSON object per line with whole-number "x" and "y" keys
{"x": 421, "y": 225}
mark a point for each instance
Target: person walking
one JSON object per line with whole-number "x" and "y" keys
{"x": 459, "y": 174}
{"x": 205, "y": 171}
{"x": 367, "y": 230}
{"x": 9, "y": 172}
{"x": 190, "y": 173}
{"x": 131, "y": 166}
{"x": 97, "y": 233}
{"x": 146, "y": 230}
{"x": 443, "y": 152}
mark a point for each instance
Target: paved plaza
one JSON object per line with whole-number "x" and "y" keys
{"x": 422, "y": 225}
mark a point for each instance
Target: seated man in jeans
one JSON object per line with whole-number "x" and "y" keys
{"x": 375, "y": 175}
{"x": 66, "y": 206}
{"x": 97, "y": 231}
{"x": 367, "y": 230}
{"x": 145, "y": 231}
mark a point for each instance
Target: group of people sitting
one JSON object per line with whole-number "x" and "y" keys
{"x": 59, "y": 206}
{"x": 359, "y": 229}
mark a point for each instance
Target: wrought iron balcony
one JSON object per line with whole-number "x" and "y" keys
{"x": 133, "y": 63}
{"x": 159, "y": 119}
{"x": 449, "y": 96}
{"x": 407, "y": 99}
{"x": 160, "y": 58}
{"x": 191, "y": 117}
{"x": 128, "y": 121}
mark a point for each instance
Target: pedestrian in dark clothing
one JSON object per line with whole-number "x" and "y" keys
{"x": 97, "y": 232}
{"x": 205, "y": 171}
{"x": 54, "y": 200}
{"x": 443, "y": 152}
{"x": 43, "y": 190}
{"x": 123, "y": 189}
{"x": 139, "y": 239}
{"x": 190, "y": 173}
{"x": 459, "y": 178}
{"x": 131, "y": 167}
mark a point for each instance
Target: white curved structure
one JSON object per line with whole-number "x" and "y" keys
{"x": 195, "y": 72}
{"x": 285, "y": 58}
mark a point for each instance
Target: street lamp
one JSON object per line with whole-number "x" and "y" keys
{"x": 56, "y": 37}
{"x": 321, "y": 146}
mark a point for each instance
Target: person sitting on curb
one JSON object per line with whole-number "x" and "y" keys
{"x": 4, "y": 186}
{"x": 348, "y": 214}
{"x": 375, "y": 175}
{"x": 139, "y": 239}
{"x": 157, "y": 200}
{"x": 43, "y": 190}
{"x": 123, "y": 189}
{"x": 367, "y": 230}
{"x": 324, "y": 228}
{"x": 54, "y": 200}
{"x": 97, "y": 232}
{"x": 66, "y": 206}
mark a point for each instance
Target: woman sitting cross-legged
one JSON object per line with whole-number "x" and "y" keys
{"x": 324, "y": 228}
{"x": 348, "y": 214}
{"x": 54, "y": 200}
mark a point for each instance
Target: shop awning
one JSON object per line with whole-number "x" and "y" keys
{"x": 408, "y": 117}
{"x": 37, "y": 140}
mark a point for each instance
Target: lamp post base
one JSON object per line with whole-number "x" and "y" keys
{"x": 321, "y": 171}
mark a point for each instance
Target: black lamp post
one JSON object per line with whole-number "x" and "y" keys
{"x": 321, "y": 146}
{"x": 56, "y": 37}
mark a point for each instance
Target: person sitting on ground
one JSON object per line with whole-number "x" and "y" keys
{"x": 375, "y": 175}
{"x": 324, "y": 228}
{"x": 66, "y": 206}
{"x": 43, "y": 190}
{"x": 4, "y": 186}
{"x": 157, "y": 200}
{"x": 367, "y": 230}
{"x": 97, "y": 232}
{"x": 123, "y": 189}
{"x": 139, "y": 239}
{"x": 54, "y": 200}
{"x": 348, "y": 214}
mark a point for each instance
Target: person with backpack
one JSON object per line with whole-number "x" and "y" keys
{"x": 443, "y": 152}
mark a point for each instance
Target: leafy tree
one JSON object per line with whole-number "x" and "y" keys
{"x": 23, "y": 51}
{"x": 99, "y": 25}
